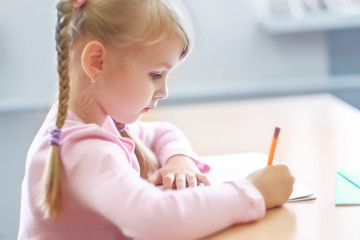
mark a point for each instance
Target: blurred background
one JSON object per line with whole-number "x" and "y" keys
{"x": 244, "y": 49}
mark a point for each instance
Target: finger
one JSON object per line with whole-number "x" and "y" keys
{"x": 180, "y": 181}
{"x": 201, "y": 178}
{"x": 168, "y": 181}
{"x": 155, "y": 178}
{"x": 191, "y": 180}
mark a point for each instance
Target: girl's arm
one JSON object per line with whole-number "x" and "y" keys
{"x": 179, "y": 172}
{"x": 179, "y": 167}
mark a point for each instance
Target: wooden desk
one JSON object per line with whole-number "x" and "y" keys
{"x": 320, "y": 134}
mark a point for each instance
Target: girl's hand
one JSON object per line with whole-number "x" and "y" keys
{"x": 275, "y": 183}
{"x": 179, "y": 172}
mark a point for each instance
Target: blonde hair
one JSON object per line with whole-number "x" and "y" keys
{"x": 124, "y": 25}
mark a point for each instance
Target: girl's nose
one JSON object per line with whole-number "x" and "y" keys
{"x": 162, "y": 92}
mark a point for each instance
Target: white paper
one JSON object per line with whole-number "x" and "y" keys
{"x": 238, "y": 166}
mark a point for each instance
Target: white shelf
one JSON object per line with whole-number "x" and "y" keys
{"x": 309, "y": 23}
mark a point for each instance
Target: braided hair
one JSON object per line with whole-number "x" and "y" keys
{"x": 51, "y": 200}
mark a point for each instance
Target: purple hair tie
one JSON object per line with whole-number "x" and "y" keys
{"x": 121, "y": 129}
{"x": 55, "y": 136}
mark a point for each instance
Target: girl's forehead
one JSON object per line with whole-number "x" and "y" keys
{"x": 165, "y": 54}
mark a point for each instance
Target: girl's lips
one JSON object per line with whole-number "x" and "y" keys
{"x": 148, "y": 109}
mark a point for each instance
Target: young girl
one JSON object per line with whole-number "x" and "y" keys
{"x": 93, "y": 166}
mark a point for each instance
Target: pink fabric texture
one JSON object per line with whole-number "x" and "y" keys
{"x": 107, "y": 199}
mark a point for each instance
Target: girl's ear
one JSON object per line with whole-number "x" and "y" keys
{"x": 92, "y": 58}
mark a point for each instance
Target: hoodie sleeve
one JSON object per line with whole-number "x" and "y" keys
{"x": 165, "y": 140}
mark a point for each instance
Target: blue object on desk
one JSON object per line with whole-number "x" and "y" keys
{"x": 347, "y": 187}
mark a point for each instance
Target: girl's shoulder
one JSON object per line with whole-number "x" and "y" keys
{"x": 93, "y": 136}
{"x": 75, "y": 131}
{"x": 76, "y": 134}
{"x": 89, "y": 143}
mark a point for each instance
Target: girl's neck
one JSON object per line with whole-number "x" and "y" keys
{"x": 91, "y": 113}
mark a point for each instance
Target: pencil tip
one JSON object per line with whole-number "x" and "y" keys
{"x": 276, "y": 132}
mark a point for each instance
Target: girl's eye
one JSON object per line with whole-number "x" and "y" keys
{"x": 155, "y": 76}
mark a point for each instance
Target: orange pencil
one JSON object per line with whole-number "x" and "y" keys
{"x": 273, "y": 146}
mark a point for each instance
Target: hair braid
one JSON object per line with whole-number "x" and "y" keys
{"x": 51, "y": 201}
{"x": 62, "y": 48}
{"x": 144, "y": 155}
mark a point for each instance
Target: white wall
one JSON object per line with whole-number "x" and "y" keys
{"x": 27, "y": 59}
{"x": 233, "y": 56}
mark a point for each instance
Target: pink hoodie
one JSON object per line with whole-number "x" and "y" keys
{"x": 107, "y": 199}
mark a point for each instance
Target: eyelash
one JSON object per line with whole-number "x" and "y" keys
{"x": 155, "y": 76}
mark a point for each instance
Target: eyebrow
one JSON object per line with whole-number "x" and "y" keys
{"x": 166, "y": 64}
